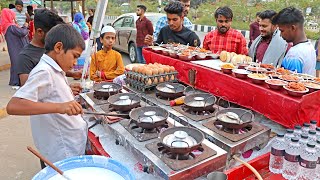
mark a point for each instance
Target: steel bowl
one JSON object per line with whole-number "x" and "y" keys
{"x": 296, "y": 93}
{"x": 226, "y": 70}
{"x": 158, "y": 49}
{"x": 166, "y": 52}
{"x": 200, "y": 56}
{"x": 258, "y": 80}
{"x": 185, "y": 57}
{"x": 241, "y": 73}
{"x": 212, "y": 56}
{"x": 312, "y": 88}
{"x": 173, "y": 54}
{"x": 276, "y": 86}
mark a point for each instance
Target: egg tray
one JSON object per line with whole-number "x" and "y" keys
{"x": 142, "y": 86}
{"x": 143, "y": 78}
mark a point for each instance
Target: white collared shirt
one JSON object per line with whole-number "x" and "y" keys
{"x": 57, "y": 136}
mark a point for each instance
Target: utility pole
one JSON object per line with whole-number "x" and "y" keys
{"x": 95, "y": 33}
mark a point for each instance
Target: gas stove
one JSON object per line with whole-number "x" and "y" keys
{"x": 256, "y": 137}
{"x": 144, "y": 145}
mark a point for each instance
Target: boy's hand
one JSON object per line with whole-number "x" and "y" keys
{"x": 71, "y": 108}
{"x": 148, "y": 39}
{"x": 76, "y": 88}
{"x": 99, "y": 74}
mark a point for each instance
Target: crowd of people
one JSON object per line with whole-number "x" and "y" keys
{"x": 39, "y": 66}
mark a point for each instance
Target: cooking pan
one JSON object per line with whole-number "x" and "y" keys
{"x": 234, "y": 118}
{"x": 181, "y": 140}
{"x": 149, "y": 117}
{"x": 199, "y": 101}
{"x": 106, "y": 89}
{"x": 170, "y": 90}
{"x": 124, "y": 101}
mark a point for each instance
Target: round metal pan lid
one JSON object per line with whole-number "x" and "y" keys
{"x": 179, "y": 139}
{"x": 150, "y": 117}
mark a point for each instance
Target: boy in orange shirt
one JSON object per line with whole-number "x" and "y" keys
{"x": 107, "y": 63}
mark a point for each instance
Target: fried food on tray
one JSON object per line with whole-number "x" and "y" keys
{"x": 296, "y": 86}
{"x": 186, "y": 52}
{"x": 317, "y": 79}
{"x": 267, "y": 66}
{"x": 227, "y": 66}
{"x": 290, "y": 78}
{"x": 277, "y": 82}
{"x": 283, "y": 71}
{"x": 312, "y": 85}
{"x": 258, "y": 76}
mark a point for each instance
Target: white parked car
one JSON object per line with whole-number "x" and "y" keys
{"x": 125, "y": 26}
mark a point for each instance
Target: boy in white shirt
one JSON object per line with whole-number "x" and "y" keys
{"x": 58, "y": 129}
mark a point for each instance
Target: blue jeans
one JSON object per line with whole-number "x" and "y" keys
{"x": 140, "y": 58}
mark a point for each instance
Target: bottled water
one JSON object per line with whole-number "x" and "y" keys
{"x": 297, "y": 131}
{"x": 318, "y": 132}
{"x": 313, "y": 124}
{"x": 303, "y": 140}
{"x": 305, "y": 128}
{"x": 277, "y": 154}
{"x": 291, "y": 160}
{"x": 312, "y": 136}
{"x": 288, "y": 136}
{"x": 318, "y": 162}
{"x": 308, "y": 162}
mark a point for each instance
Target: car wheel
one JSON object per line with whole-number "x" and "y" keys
{"x": 132, "y": 52}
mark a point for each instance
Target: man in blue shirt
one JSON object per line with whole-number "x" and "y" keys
{"x": 301, "y": 57}
{"x": 163, "y": 21}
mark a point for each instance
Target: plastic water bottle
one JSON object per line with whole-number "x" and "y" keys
{"x": 288, "y": 136}
{"x": 305, "y": 128}
{"x": 318, "y": 162}
{"x": 277, "y": 154}
{"x": 303, "y": 140}
{"x": 291, "y": 160}
{"x": 313, "y": 124}
{"x": 312, "y": 136}
{"x": 297, "y": 131}
{"x": 308, "y": 162}
{"x": 318, "y": 132}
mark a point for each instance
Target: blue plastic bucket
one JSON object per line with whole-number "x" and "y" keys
{"x": 86, "y": 161}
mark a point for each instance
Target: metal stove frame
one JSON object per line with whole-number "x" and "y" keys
{"x": 258, "y": 140}
{"x": 151, "y": 163}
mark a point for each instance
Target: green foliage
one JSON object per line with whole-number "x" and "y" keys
{"x": 312, "y": 35}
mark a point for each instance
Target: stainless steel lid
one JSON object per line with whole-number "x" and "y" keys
{"x": 179, "y": 139}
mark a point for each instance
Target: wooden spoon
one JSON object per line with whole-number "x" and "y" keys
{"x": 36, "y": 153}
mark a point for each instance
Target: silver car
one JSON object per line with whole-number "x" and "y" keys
{"x": 125, "y": 26}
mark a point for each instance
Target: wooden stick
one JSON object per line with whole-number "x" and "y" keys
{"x": 36, "y": 153}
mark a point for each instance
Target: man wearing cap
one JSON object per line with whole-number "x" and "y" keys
{"x": 107, "y": 63}
{"x": 21, "y": 17}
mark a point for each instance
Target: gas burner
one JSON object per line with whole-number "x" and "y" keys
{"x": 200, "y": 113}
{"x": 99, "y": 97}
{"x": 180, "y": 161}
{"x": 142, "y": 134}
{"x": 134, "y": 127}
{"x": 234, "y": 135}
{"x": 190, "y": 156}
{"x": 163, "y": 98}
{"x": 244, "y": 130}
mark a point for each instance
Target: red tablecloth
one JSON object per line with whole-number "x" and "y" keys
{"x": 277, "y": 106}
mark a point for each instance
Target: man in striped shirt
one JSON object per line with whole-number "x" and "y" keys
{"x": 224, "y": 38}
{"x": 20, "y": 15}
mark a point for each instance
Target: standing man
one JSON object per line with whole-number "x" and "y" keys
{"x": 21, "y": 17}
{"x": 144, "y": 27}
{"x": 175, "y": 32}
{"x": 163, "y": 21}
{"x": 269, "y": 47}
{"x": 254, "y": 29}
{"x": 301, "y": 57}
{"x": 31, "y": 54}
{"x": 224, "y": 38}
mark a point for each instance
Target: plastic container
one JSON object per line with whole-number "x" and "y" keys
{"x": 308, "y": 162}
{"x": 277, "y": 154}
{"x": 297, "y": 131}
{"x": 318, "y": 162}
{"x": 289, "y": 134}
{"x": 313, "y": 124}
{"x": 306, "y": 128}
{"x": 312, "y": 136}
{"x": 88, "y": 161}
{"x": 291, "y": 160}
{"x": 303, "y": 140}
